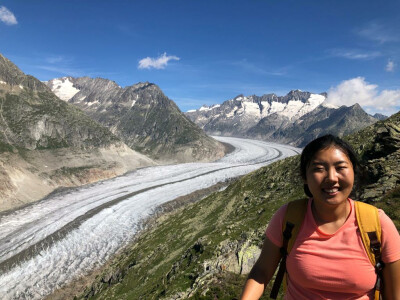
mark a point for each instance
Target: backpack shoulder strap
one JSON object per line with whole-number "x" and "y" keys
{"x": 295, "y": 214}
{"x": 368, "y": 221}
{"x": 291, "y": 224}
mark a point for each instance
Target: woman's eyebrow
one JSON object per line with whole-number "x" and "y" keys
{"x": 341, "y": 162}
{"x": 324, "y": 162}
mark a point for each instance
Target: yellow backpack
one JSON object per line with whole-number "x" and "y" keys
{"x": 368, "y": 224}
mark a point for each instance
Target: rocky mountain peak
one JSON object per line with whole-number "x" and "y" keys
{"x": 15, "y": 79}
{"x": 269, "y": 98}
{"x": 239, "y": 97}
{"x": 99, "y": 84}
{"x": 380, "y": 117}
{"x": 143, "y": 85}
{"x": 9, "y": 72}
{"x": 297, "y": 95}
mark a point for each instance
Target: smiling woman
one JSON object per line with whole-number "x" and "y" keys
{"x": 328, "y": 259}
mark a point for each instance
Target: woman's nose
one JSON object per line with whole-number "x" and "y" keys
{"x": 332, "y": 175}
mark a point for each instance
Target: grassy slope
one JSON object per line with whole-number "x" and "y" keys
{"x": 186, "y": 250}
{"x": 169, "y": 258}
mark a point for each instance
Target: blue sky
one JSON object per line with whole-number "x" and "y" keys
{"x": 205, "y": 52}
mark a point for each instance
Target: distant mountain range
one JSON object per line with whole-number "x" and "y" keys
{"x": 142, "y": 116}
{"x": 293, "y": 119}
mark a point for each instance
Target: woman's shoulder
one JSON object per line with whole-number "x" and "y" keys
{"x": 390, "y": 238}
{"x": 386, "y": 221}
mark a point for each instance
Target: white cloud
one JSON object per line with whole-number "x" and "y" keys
{"x": 377, "y": 32}
{"x": 354, "y": 54}
{"x": 390, "y": 66}
{"x": 157, "y": 63}
{"x": 357, "y": 90}
{"x": 7, "y": 16}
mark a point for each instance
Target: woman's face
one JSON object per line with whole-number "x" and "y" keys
{"x": 330, "y": 176}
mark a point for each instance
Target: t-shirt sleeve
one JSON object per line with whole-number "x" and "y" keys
{"x": 390, "y": 239}
{"x": 274, "y": 229}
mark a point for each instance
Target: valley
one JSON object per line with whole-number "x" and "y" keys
{"x": 46, "y": 244}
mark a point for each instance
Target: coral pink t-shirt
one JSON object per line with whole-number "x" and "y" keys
{"x": 332, "y": 266}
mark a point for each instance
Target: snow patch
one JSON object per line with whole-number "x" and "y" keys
{"x": 92, "y": 103}
{"x": 134, "y": 101}
{"x": 204, "y": 108}
{"x": 252, "y": 109}
{"x": 64, "y": 88}
{"x": 292, "y": 108}
{"x": 230, "y": 114}
{"x": 265, "y": 108}
{"x": 315, "y": 100}
{"x": 276, "y": 107}
{"x": 297, "y": 109}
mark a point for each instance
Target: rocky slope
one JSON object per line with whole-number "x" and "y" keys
{"x": 294, "y": 119}
{"x": 46, "y": 143}
{"x": 322, "y": 120}
{"x": 206, "y": 249}
{"x": 142, "y": 116}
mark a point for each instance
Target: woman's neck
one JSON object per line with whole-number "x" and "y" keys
{"x": 330, "y": 218}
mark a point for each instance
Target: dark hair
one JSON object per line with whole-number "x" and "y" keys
{"x": 321, "y": 143}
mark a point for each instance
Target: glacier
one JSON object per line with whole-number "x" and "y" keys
{"x": 47, "y": 244}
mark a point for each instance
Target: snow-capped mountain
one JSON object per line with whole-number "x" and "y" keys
{"x": 272, "y": 117}
{"x": 238, "y": 115}
{"x": 142, "y": 116}
{"x": 62, "y": 87}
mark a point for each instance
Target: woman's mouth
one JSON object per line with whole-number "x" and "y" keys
{"x": 331, "y": 191}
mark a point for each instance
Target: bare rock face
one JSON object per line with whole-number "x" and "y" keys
{"x": 379, "y": 148}
{"x": 142, "y": 116}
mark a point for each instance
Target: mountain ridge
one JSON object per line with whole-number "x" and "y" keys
{"x": 143, "y": 117}
{"x": 277, "y": 119}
